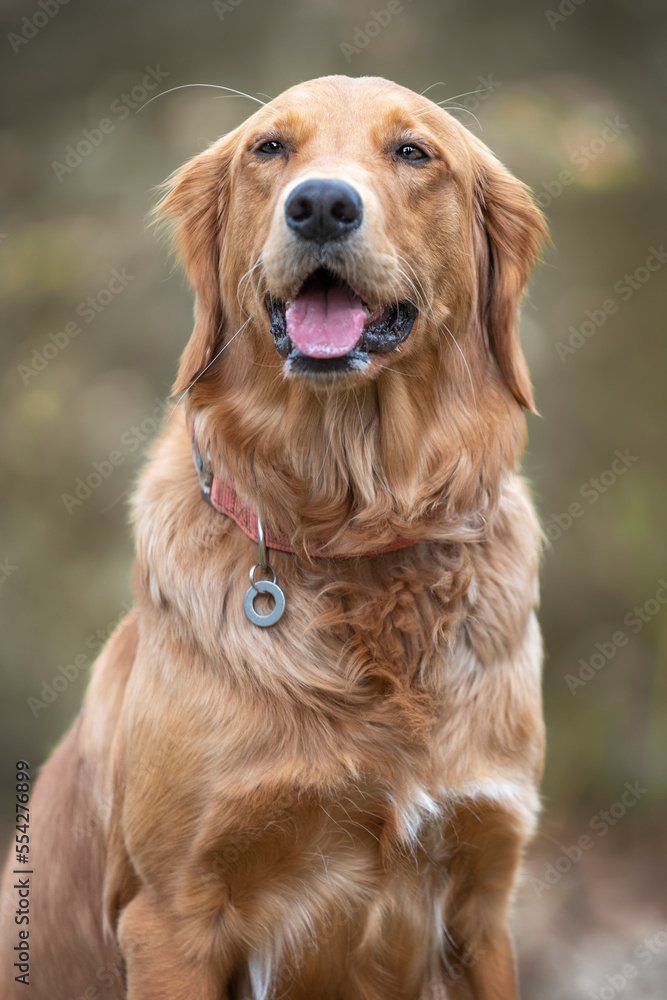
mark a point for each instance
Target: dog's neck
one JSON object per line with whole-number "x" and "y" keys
{"x": 359, "y": 468}
{"x": 221, "y": 494}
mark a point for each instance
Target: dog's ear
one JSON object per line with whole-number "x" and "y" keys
{"x": 510, "y": 232}
{"x": 194, "y": 200}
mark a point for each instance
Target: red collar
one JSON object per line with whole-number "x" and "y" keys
{"x": 221, "y": 494}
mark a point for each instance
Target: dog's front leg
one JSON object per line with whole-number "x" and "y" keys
{"x": 163, "y": 963}
{"x": 482, "y": 874}
{"x": 489, "y": 973}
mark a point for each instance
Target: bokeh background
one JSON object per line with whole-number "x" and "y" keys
{"x": 572, "y": 98}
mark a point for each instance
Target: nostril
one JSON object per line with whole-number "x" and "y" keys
{"x": 344, "y": 210}
{"x": 299, "y": 209}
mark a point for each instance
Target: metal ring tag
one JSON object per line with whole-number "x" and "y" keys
{"x": 264, "y": 587}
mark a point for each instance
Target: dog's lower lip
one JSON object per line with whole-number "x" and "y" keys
{"x": 300, "y": 364}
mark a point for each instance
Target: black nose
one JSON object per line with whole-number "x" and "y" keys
{"x": 323, "y": 210}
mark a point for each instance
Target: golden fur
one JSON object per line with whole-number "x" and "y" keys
{"x": 336, "y": 806}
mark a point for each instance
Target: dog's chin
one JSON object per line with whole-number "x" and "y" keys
{"x": 386, "y": 328}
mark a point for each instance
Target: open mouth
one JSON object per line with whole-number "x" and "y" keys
{"x": 327, "y": 328}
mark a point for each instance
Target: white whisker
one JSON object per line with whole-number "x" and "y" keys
{"x": 440, "y": 83}
{"x": 223, "y": 348}
{"x": 246, "y": 275}
{"x": 455, "y": 97}
{"x": 480, "y": 90}
{"x": 395, "y": 371}
{"x": 328, "y": 436}
{"x": 472, "y": 384}
{"x": 215, "y": 86}
{"x": 361, "y": 421}
{"x": 420, "y": 295}
{"x": 453, "y": 108}
{"x": 421, "y": 298}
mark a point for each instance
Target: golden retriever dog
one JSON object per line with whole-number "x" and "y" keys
{"x": 334, "y": 805}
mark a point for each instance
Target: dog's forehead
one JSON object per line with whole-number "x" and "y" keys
{"x": 346, "y": 111}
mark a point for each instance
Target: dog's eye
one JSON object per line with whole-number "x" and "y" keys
{"x": 271, "y": 147}
{"x": 408, "y": 151}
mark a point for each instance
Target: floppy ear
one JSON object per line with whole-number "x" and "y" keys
{"x": 195, "y": 201}
{"x": 512, "y": 230}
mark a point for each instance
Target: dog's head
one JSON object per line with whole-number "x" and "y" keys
{"x": 347, "y": 222}
{"x": 350, "y": 236}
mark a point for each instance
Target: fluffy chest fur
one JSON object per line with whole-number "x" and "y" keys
{"x": 312, "y": 790}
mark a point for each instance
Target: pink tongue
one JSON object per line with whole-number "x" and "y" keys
{"x": 325, "y": 322}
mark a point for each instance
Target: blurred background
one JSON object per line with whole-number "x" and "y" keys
{"x": 572, "y": 98}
